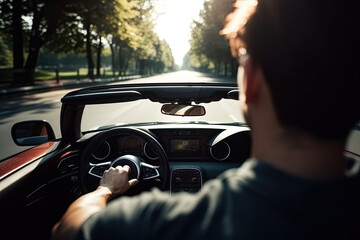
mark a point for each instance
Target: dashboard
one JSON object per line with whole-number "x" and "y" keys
{"x": 195, "y": 153}
{"x": 190, "y": 144}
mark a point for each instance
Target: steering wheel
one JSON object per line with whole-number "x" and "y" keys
{"x": 90, "y": 174}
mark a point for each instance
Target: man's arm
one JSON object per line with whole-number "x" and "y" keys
{"x": 113, "y": 183}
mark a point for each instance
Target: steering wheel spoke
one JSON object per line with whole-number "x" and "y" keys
{"x": 97, "y": 170}
{"x": 149, "y": 171}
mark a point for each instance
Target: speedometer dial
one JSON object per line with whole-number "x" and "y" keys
{"x": 102, "y": 151}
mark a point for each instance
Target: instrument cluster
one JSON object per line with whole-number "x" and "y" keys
{"x": 114, "y": 147}
{"x": 180, "y": 145}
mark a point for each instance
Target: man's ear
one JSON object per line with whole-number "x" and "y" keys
{"x": 252, "y": 83}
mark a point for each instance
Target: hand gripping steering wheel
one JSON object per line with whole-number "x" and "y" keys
{"x": 139, "y": 169}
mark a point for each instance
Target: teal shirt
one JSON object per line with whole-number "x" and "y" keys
{"x": 255, "y": 201}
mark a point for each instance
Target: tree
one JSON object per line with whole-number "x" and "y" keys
{"x": 145, "y": 54}
{"x": 207, "y": 46}
{"x": 18, "y": 57}
{"x": 11, "y": 27}
{"x": 66, "y": 26}
{"x": 89, "y": 21}
{"x": 165, "y": 59}
{"x": 44, "y": 16}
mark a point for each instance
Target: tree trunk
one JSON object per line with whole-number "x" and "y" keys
{"x": 18, "y": 56}
{"x": 89, "y": 51}
{"x": 126, "y": 67}
{"x": 112, "y": 58}
{"x": 226, "y": 68}
{"x": 31, "y": 63}
{"x": 217, "y": 68}
{"x": 121, "y": 61}
{"x": 137, "y": 66}
{"x": 98, "y": 60}
{"x": 142, "y": 67}
{"x": 36, "y": 41}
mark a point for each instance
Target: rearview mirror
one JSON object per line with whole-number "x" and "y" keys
{"x": 183, "y": 110}
{"x": 29, "y": 133}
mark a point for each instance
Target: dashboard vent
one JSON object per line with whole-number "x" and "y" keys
{"x": 220, "y": 151}
{"x": 69, "y": 163}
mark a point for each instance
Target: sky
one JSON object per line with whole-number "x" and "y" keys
{"x": 173, "y": 24}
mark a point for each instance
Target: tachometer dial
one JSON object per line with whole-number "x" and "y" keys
{"x": 102, "y": 151}
{"x": 149, "y": 152}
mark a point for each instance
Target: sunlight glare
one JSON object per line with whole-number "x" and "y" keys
{"x": 173, "y": 24}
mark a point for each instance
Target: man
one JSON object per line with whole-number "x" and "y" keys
{"x": 298, "y": 93}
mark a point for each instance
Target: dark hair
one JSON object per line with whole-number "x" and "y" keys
{"x": 309, "y": 52}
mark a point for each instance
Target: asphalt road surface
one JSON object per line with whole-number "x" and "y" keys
{"x": 47, "y": 105}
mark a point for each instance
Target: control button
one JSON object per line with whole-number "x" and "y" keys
{"x": 178, "y": 180}
{"x": 74, "y": 178}
{"x": 186, "y": 180}
{"x": 148, "y": 172}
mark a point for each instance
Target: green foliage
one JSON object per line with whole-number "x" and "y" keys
{"x": 48, "y": 59}
{"x": 6, "y": 18}
{"x": 73, "y": 28}
{"x": 208, "y": 48}
{"x": 126, "y": 25}
{"x": 165, "y": 55}
{"x": 198, "y": 62}
{"x": 5, "y": 54}
{"x": 148, "y": 39}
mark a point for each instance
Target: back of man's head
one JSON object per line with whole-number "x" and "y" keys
{"x": 309, "y": 51}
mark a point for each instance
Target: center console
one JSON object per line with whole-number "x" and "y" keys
{"x": 185, "y": 180}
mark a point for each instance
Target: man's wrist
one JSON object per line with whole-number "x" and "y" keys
{"x": 105, "y": 191}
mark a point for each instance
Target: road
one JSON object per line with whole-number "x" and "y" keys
{"x": 47, "y": 105}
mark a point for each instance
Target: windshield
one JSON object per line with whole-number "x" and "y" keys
{"x": 144, "y": 111}
{"x": 45, "y": 56}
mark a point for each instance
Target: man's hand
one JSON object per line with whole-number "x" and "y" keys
{"x": 116, "y": 180}
{"x": 113, "y": 183}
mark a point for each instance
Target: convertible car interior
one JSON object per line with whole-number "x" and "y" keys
{"x": 173, "y": 155}
{"x": 176, "y": 155}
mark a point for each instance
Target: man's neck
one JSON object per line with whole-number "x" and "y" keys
{"x": 295, "y": 152}
{"x": 300, "y": 154}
